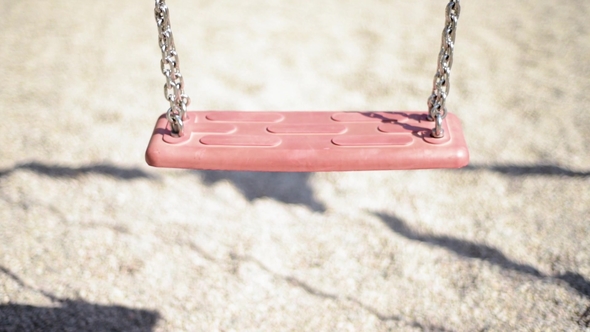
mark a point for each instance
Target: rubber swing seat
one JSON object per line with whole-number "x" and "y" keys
{"x": 307, "y": 142}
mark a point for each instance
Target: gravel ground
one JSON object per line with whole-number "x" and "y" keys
{"x": 92, "y": 239}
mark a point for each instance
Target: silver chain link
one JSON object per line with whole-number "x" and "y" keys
{"x": 442, "y": 79}
{"x": 170, "y": 66}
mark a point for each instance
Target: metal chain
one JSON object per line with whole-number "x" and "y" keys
{"x": 442, "y": 84}
{"x": 170, "y": 66}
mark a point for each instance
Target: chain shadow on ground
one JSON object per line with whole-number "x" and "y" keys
{"x": 289, "y": 188}
{"x": 311, "y": 290}
{"x": 489, "y": 254}
{"x": 57, "y": 171}
{"x": 528, "y": 170}
{"x": 72, "y": 315}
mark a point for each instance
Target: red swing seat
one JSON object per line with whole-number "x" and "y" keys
{"x": 307, "y": 142}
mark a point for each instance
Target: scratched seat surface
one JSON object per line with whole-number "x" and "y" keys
{"x": 307, "y": 142}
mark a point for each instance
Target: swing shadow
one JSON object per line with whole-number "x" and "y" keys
{"x": 72, "y": 315}
{"x": 289, "y": 188}
{"x": 483, "y": 252}
{"x": 56, "y": 171}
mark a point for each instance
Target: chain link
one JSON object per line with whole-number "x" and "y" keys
{"x": 170, "y": 67}
{"x": 442, "y": 79}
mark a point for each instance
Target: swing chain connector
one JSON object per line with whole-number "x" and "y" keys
{"x": 170, "y": 67}
{"x": 438, "y": 131}
{"x": 437, "y": 110}
{"x": 176, "y": 123}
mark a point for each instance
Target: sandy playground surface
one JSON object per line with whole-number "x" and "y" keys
{"x": 92, "y": 239}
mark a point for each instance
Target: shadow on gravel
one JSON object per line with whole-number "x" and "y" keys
{"x": 72, "y": 315}
{"x": 460, "y": 247}
{"x": 75, "y": 316}
{"x": 290, "y": 188}
{"x": 311, "y": 290}
{"x": 515, "y": 170}
{"x": 55, "y": 171}
{"x": 479, "y": 251}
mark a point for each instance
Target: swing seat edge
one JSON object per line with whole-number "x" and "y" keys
{"x": 248, "y": 141}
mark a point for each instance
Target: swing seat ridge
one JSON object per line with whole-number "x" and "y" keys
{"x": 307, "y": 141}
